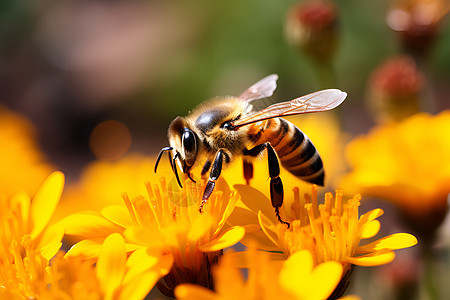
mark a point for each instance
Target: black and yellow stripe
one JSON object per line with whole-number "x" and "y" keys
{"x": 295, "y": 150}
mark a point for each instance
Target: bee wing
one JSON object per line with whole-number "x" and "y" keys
{"x": 262, "y": 89}
{"x": 318, "y": 101}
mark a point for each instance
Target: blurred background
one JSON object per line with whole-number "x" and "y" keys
{"x": 98, "y": 80}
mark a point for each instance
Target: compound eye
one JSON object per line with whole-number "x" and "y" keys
{"x": 189, "y": 143}
{"x": 227, "y": 125}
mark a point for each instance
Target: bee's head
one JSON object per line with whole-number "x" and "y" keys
{"x": 184, "y": 142}
{"x": 184, "y": 146}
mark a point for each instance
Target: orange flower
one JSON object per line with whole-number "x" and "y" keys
{"x": 405, "y": 163}
{"x": 331, "y": 231}
{"x": 168, "y": 222}
{"x": 27, "y": 243}
{"x": 296, "y": 279}
{"x": 115, "y": 276}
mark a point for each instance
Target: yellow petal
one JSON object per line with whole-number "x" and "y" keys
{"x": 143, "y": 237}
{"x": 371, "y": 215}
{"x": 268, "y": 227}
{"x": 228, "y": 280}
{"x": 45, "y": 202}
{"x": 22, "y": 200}
{"x": 252, "y": 228}
{"x": 373, "y": 259}
{"x": 164, "y": 265}
{"x": 296, "y": 270}
{"x": 143, "y": 260}
{"x": 193, "y": 292}
{"x": 88, "y": 225}
{"x": 260, "y": 238}
{"x": 86, "y": 248}
{"x": 118, "y": 215}
{"x": 391, "y": 242}
{"x": 200, "y": 226}
{"x": 138, "y": 284}
{"x": 242, "y": 216}
{"x": 370, "y": 229}
{"x": 227, "y": 212}
{"x": 256, "y": 201}
{"x": 50, "y": 241}
{"x": 111, "y": 264}
{"x": 254, "y": 234}
{"x": 227, "y": 239}
{"x": 92, "y": 248}
{"x": 324, "y": 279}
{"x": 241, "y": 258}
{"x": 301, "y": 278}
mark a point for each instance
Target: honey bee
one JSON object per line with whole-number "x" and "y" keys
{"x": 224, "y": 128}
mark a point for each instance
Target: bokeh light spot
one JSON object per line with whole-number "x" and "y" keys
{"x": 110, "y": 140}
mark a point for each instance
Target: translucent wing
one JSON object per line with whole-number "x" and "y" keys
{"x": 318, "y": 101}
{"x": 262, "y": 89}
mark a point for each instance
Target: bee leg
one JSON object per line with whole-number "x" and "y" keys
{"x": 206, "y": 167}
{"x": 276, "y": 185}
{"x": 248, "y": 171}
{"x": 213, "y": 176}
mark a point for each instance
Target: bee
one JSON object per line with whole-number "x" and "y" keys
{"x": 225, "y": 128}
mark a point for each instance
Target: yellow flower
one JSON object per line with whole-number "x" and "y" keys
{"x": 331, "y": 231}
{"x": 23, "y": 166}
{"x": 298, "y": 278}
{"x": 113, "y": 277}
{"x": 407, "y": 164}
{"x": 22, "y": 271}
{"x": 26, "y": 241}
{"x": 25, "y": 221}
{"x": 168, "y": 222}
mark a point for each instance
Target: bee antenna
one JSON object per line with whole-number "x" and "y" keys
{"x": 160, "y": 154}
{"x": 174, "y": 165}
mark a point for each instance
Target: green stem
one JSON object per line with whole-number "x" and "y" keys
{"x": 429, "y": 276}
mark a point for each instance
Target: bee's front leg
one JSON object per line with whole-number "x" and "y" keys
{"x": 214, "y": 174}
{"x": 276, "y": 185}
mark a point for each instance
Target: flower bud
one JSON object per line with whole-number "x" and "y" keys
{"x": 417, "y": 22}
{"x": 394, "y": 89}
{"x": 311, "y": 26}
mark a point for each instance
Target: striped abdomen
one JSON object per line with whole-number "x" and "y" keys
{"x": 295, "y": 150}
